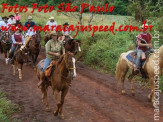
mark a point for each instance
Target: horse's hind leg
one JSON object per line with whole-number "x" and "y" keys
{"x": 56, "y": 92}
{"x": 44, "y": 97}
{"x": 131, "y": 84}
{"x": 14, "y": 69}
{"x": 20, "y": 71}
{"x": 63, "y": 94}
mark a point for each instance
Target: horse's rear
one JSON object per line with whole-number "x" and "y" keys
{"x": 20, "y": 56}
{"x": 34, "y": 48}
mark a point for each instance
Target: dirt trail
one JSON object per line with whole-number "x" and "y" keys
{"x": 93, "y": 97}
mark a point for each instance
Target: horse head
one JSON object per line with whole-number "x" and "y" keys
{"x": 69, "y": 60}
{"x": 6, "y": 38}
{"x": 74, "y": 46}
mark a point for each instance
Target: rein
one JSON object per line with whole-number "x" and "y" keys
{"x": 69, "y": 70}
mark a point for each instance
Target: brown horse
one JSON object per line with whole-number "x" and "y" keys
{"x": 73, "y": 46}
{"x": 5, "y": 45}
{"x": 20, "y": 56}
{"x": 34, "y": 47}
{"x": 60, "y": 81}
{"x": 123, "y": 66}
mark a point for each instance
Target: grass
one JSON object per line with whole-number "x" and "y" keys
{"x": 7, "y": 108}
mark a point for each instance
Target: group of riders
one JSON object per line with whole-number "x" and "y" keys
{"x": 54, "y": 46}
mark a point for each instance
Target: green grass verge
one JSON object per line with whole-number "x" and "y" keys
{"x": 7, "y": 108}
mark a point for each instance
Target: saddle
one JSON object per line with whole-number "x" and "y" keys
{"x": 132, "y": 58}
{"x": 49, "y": 69}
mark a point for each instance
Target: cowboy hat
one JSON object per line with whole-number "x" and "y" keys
{"x": 17, "y": 12}
{"x": 11, "y": 16}
{"x": 144, "y": 25}
{"x": 53, "y": 33}
{"x": 5, "y": 17}
{"x": 66, "y": 23}
{"x": 29, "y": 17}
{"x": 51, "y": 17}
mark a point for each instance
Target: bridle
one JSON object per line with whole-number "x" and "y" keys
{"x": 69, "y": 69}
{"x": 67, "y": 65}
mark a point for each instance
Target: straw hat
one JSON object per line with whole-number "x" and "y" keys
{"x": 30, "y": 17}
{"x": 53, "y": 33}
{"x": 144, "y": 25}
{"x": 51, "y": 17}
{"x": 17, "y": 12}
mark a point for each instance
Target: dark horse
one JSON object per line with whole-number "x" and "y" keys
{"x": 20, "y": 56}
{"x": 72, "y": 45}
{"x": 5, "y": 45}
{"x": 34, "y": 47}
{"x": 60, "y": 81}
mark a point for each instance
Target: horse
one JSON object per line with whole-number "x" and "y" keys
{"x": 60, "y": 81}
{"x": 123, "y": 66}
{"x": 20, "y": 56}
{"x": 34, "y": 47}
{"x": 72, "y": 45}
{"x": 5, "y": 45}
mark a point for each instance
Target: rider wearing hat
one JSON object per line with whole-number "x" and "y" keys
{"x": 4, "y": 24}
{"x": 51, "y": 23}
{"x": 54, "y": 48}
{"x": 12, "y": 21}
{"x": 17, "y": 40}
{"x": 17, "y": 16}
{"x": 29, "y": 23}
{"x": 66, "y": 32}
{"x": 141, "y": 46}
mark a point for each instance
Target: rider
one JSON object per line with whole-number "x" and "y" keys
{"x": 53, "y": 48}
{"x": 52, "y": 23}
{"x": 17, "y": 40}
{"x": 29, "y": 23}
{"x": 66, "y": 32}
{"x": 142, "y": 47}
{"x": 30, "y": 33}
{"x": 17, "y": 16}
{"x": 5, "y": 25}
{"x": 12, "y": 21}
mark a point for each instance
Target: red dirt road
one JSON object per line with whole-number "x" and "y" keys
{"x": 92, "y": 97}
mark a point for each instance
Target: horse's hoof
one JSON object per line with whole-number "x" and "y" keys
{"x": 62, "y": 116}
{"x": 47, "y": 109}
{"x": 149, "y": 98}
{"x": 123, "y": 92}
{"x": 133, "y": 93}
{"x": 55, "y": 113}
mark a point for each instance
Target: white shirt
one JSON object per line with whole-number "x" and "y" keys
{"x": 52, "y": 24}
{"x": 31, "y": 32}
{"x": 2, "y": 23}
{"x": 66, "y": 32}
{"x": 12, "y": 21}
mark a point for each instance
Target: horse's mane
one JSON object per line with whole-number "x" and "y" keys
{"x": 70, "y": 41}
{"x": 60, "y": 59}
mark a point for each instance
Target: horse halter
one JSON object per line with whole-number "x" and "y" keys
{"x": 67, "y": 65}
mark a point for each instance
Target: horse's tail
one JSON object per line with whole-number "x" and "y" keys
{"x": 118, "y": 70}
{"x": 1, "y": 48}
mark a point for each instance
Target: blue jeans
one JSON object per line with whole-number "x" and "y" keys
{"x": 46, "y": 64}
{"x": 12, "y": 52}
{"x": 139, "y": 52}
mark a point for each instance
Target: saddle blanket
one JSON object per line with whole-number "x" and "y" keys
{"x": 41, "y": 64}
